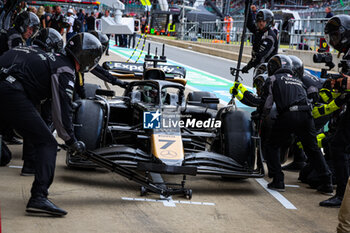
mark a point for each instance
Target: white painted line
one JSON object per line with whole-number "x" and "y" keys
{"x": 292, "y": 186}
{"x": 20, "y": 167}
{"x": 279, "y": 197}
{"x": 168, "y": 202}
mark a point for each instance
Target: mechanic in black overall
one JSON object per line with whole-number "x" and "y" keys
{"x": 25, "y": 26}
{"x": 50, "y": 41}
{"x": 312, "y": 85}
{"x": 29, "y": 76}
{"x": 294, "y": 116}
{"x": 337, "y": 30}
{"x": 265, "y": 43}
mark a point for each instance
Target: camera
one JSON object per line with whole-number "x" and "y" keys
{"x": 324, "y": 58}
{"x": 345, "y": 66}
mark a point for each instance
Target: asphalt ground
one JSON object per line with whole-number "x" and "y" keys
{"x": 99, "y": 201}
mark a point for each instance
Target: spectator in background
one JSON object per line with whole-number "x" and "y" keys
{"x": 90, "y": 22}
{"x": 108, "y": 35}
{"x": 56, "y": 21}
{"x": 45, "y": 19}
{"x": 71, "y": 18}
{"x": 329, "y": 12}
{"x": 81, "y": 18}
{"x": 40, "y": 14}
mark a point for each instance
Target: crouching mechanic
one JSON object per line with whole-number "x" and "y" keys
{"x": 29, "y": 76}
{"x": 26, "y": 25}
{"x": 265, "y": 44}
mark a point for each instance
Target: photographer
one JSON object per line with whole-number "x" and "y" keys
{"x": 337, "y": 31}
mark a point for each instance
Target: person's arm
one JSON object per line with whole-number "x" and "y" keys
{"x": 14, "y": 40}
{"x": 267, "y": 99}
{"x": 62, "y": 86}
{"x": 265, "y": 50}
{"x": 250, "y": 23}
{"x": 103, "y": 74}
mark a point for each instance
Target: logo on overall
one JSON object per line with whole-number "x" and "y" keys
{"x": 151, "y": 120}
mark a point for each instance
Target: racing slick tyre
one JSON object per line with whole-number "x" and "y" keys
{"x": 88, "y": 121}
{"x": 237, "y": 142}
{"x": 198, "y": 95}
{"x": 90, "y": 89}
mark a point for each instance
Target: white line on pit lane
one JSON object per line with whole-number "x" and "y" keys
{"x": 168, "y": 202}
{"x": 279, "y": 197}
{"x": 20, "y": 167}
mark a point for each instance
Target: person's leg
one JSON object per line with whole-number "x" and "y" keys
{"x": 20, "y": 113}
{"x": 307, "y": 134}
{"x": 279, "y": 134}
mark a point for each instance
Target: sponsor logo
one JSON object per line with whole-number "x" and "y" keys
{"x": 154, "y": 120}
{"x": 151, "y": 120}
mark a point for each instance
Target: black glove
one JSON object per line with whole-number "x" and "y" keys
{"x": 245, "y": 69}
{"x": 78, "y": 147}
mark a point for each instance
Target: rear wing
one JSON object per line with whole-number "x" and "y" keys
{"x": 137, "y": 69}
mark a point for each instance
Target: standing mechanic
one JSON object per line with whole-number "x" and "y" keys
{"x": 294, "y": 116}
{"x": 29, "y": 76}
{"x": 265, "y": 43}
{"x": 337, "y": 31}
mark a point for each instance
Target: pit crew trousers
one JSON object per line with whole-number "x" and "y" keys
{"x": 302, "y": 125}
{"x": 19, "y": 113}
{"x": 339, "y": 148}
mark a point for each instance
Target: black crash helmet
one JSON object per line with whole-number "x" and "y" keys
{"x": 298, "y": 66}
{"x": 277, "y": 62}
{"x": 27, "y": 19}
{"x": 86, "y": 49}
{"x": 102, "y": 38}
{"x": 337, "y": 32}
{"x": 265, "y": 15}
{"x": 260, "y": 69}
{"x": 49, "y": 40}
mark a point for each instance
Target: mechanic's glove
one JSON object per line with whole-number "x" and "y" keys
{"x": 238, "y": 86}
{"x": 300, "y": 146}
{"x": 319, "y": 138}
{"x": 325, "y": 109}
{"x": 239, "y": 95}
{"x": 78, "y": 147}
{"x": 245, "y": 69}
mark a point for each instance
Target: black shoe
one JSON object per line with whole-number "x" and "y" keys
{"x": 334, "y": 201}
{"x": 277, "y": 186}
{"x": 12, "y": 141}
{"x": 42, "y": 205}
{"x": 325, "y": 189}
{"x": 294, "y": 166}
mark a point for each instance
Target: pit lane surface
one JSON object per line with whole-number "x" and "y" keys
{"x": 99, "y": 201}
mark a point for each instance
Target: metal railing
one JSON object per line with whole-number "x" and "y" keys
{"x": 216, "y": 31}
{"x": 305, "y": 34}
{"x": 187, "y": 31}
